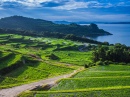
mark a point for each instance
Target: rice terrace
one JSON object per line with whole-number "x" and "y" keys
{"x": 53, "y": 64}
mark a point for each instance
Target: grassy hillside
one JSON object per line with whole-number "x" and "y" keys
{"x": 25, "y": 59}
{"x": 97, "y": 81}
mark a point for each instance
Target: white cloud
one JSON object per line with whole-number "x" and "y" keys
{"x": 1, "y": 8}
{"x": 28, "y": 3}
{"x": 73, "y": 5}
{"x": 65, "y": 4}
{"x": 123, "y": 3}
{"x": 68, "y": 4}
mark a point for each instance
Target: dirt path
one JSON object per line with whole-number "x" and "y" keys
{"x": 14, "y": 91}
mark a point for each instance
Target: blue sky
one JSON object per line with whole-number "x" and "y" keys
{"x": 68, "y": 10}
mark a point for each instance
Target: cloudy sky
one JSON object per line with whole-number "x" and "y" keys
{"x": 68, "y": 10}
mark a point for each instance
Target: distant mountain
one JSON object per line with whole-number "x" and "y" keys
{"x": 39, "y": 25}
{"x": 116, "y": 22}
{"x": 82, "y": 22}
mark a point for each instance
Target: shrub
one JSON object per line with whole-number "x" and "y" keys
{"x": 88, "y": 65}
{"x": 106, "y": 62}
{"x": 52, "y": 57}
{"x": 99, "y": 63}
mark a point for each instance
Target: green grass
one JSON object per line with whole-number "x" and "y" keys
{"x": 82, "y": 83}
{"x": 38, "y": 71}
{"x": 103, "y": 93}
{"x": 3, "y": 54}
{"x": 96, "y": 81}
{"x": 74, "y": 57}
{"x": 26, "y": 74}
{"x": 16, "y": 47}
{"x": 9, "y": 82}
{"x": 111, "y": 67}
{"x": 105, "y": 71}
{"x": 32, "y": 72}
{"x": 98, "y": 92}
{"x": 97, "y": 76}
{"x": 9, "y": 60}
{"x": 102, "y": 74}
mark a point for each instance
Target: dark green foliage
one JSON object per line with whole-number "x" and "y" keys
{"x": 99, "y": 63}
{"x": 10, "y": 68}
{"x": 30, "y": 24}
{"x": 52, "y": 57}
{"x": 106, "y": 43}
{"x": 45, "y": 34}
{"x": 116, "y": 53}
{"x": 6, "y": 57}
{"x": 89, "y": 64}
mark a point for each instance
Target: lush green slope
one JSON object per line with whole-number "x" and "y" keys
{"x": 108, "y": 92}
{"x": 24, "y": 59}
{"x": 24, "y": 23}
{"x": 94, "y": 82}
{"x": 90, "y": 79}
{"x": 97, "y": 81}
{"x": 74, "y": 57}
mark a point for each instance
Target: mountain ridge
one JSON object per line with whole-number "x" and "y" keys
{"x": 88, "y": 22}
{"x": 39, "y": 25}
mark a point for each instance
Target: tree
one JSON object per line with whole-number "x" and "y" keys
{"x": 116, "y": 53}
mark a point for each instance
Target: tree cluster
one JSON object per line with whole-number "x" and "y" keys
{"x": 46, "y": 34}
{"x": 116, "y": 53}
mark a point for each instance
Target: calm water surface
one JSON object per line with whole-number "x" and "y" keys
{"x": 121, "y": 33}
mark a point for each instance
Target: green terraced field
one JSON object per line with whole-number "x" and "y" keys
{"x": 107, "y": 92}
{"x": 9, "y": 60}
{"x": 10, "y": 82}
{"x": 111, "y": 67}
{"x": 29, "y": 56}
{"x": 96, "y": 81}
{"x": 24, "y": 59}
{"x": 38, "y": 71}
{"x": 105, "y": 71}
{"x": 98, "y": 76}
{"x": 74, "y": 57}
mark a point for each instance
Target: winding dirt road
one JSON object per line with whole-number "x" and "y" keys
{"x": 14, "y": 91}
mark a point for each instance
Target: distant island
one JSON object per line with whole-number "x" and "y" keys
{"x": 82, "y": 22}
{"x": 39, "y": 25}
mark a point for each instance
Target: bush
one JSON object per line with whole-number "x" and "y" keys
{"x": 99, "y": 63}
{"x": 122, "y": 63}
{"x": 106, "y": 63}
{"x": 88, "y": 65}
{"x": 52, "y": 57}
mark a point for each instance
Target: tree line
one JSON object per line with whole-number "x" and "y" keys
{"x": 116, "y": 53}
{"x": 51, "y": 34}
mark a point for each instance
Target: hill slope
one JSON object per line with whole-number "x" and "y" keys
{"x": 24, "y": 23}
{"x": 97, "y": 81}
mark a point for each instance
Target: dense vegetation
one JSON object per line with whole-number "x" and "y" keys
{"x": 38, "y": 25}
{"x": 116, "y": 53}
{"x": 46, "y": 34}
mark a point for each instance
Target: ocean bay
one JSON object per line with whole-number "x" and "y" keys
{"x": 121, "y": 33}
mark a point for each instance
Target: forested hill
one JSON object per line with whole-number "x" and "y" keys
{"x": 39, "y": 25}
